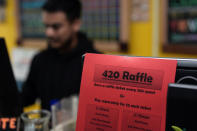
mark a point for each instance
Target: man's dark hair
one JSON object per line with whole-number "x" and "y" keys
{"x": 71, "y": 8}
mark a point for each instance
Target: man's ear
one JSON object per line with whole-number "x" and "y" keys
{"x": 76, "y": 25}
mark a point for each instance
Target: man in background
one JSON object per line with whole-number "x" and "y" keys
{"x": 56, "y": 71}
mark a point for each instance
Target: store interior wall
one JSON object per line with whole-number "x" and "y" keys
{"x": 8, "y": 28}
{"x": 143, "y": 36}
{"x": 140, "y": 37}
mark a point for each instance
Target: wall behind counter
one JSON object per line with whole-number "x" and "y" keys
{"x": 141, "y": 35}
{"x": 144, "y": 36}
{"x": 8, "y": 28}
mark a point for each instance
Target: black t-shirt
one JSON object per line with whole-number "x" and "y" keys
{"x": 54, "y": 76}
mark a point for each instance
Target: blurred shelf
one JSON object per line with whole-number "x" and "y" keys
{"x": 183, "y": 9}
{"x": 179, "y": 26}
{"x": 180, "y": 48}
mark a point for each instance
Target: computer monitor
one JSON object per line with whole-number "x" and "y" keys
{"x": 186, "y": 72}
{"x": 181, "y": 107}
{"x": 9, "y": 95}
{"x": 182, "y": 97}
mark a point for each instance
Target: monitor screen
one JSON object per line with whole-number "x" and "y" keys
{"x": 181, "y": 107}
{"x": 186, "y": 72}
{"x": 9, "y": 96}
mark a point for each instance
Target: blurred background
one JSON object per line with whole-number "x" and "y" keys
{"x": 158, "y": 28}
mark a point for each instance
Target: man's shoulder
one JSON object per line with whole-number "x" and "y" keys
{"x": 85, "y": 44}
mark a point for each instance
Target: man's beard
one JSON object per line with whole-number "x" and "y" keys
{"x": 64, "y": 46}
